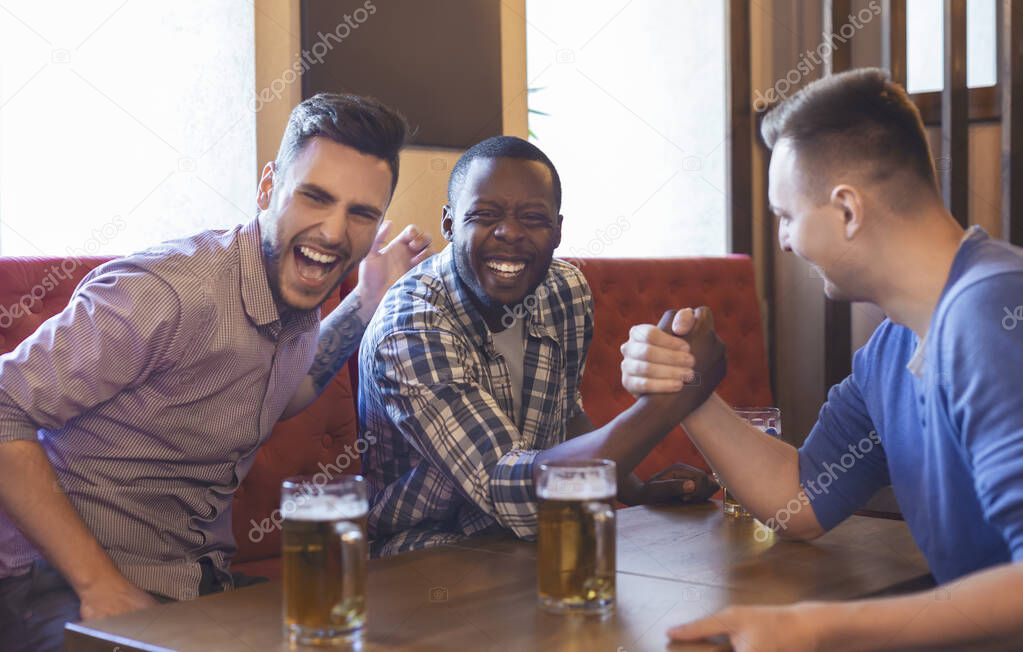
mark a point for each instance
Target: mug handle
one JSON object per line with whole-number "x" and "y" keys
{"x": 353, "y": 559}
{"x": 604, "y": 534}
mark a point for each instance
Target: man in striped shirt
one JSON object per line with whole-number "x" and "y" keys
{"x": 471, "y": 368}
{"x": 128, "y": 420}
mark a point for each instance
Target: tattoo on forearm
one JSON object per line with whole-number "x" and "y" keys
{"x": 340, "y": 334}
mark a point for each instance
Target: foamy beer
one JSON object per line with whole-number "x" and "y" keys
{"x": 576, "y": 539}
{"x": 324, "y": 555}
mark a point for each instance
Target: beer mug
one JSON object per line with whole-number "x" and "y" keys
{"x": 324, "y": 559}
{"x": 576, "y": 539}
{"x": 767, "y": 419}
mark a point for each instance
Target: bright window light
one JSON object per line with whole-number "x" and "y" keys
{"x": 123, "y": 123}
{"x": 628, "y": 100}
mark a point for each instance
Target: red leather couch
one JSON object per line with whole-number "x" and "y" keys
{"x": 629, "y": 291}
{"x": 626, "y": 292}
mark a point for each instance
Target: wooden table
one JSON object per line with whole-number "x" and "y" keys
{"x": 674, "y": 564}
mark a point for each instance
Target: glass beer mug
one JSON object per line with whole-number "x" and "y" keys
{"x": 324, "y": 555}
{"x": 576, "y": 538}
{"x": 766, "y": 419}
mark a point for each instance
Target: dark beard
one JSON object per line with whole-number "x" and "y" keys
{"x": 272, "y": 264}
{"x": 489, "y": 308}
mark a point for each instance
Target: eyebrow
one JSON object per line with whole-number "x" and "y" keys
{"x": 319, "y": 191}
{"x": 358, "y": 207}
{"x": 324, "y": 195}
{"x": 536, "y": 203}
{"x": 529, "y": 203}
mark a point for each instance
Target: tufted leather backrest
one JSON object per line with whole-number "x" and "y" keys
{"x": 34, "y": 289}
{"x": 629, "y": 291}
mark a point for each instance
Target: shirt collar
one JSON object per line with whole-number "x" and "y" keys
{"x": 257, "y": 297}
{"x": 916, "y": 363}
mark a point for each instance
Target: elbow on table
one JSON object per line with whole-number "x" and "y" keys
{"x": 801, "y": 532}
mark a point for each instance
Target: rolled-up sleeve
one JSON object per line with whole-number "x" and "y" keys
{"x": 119, "y": 327}
{"x": 432, "y": 394}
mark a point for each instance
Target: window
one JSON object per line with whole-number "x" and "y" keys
{"x": 123, "y": 124}
{"x": 925, "y": 45}
{"x": 628, "y": 100}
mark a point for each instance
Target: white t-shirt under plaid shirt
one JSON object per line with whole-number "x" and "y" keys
{"x": 447, "y": 457}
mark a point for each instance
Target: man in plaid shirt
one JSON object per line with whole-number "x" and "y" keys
{"x": 471, "y": 368}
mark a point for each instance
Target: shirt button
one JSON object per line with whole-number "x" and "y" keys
{"x": 921, "y": 399}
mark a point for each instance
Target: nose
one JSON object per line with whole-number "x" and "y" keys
{"x": 509, "y": 230}
{"x": 334, "y": 228}
{"x": 783, "y": 237}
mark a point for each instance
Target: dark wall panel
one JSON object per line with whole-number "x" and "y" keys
{"x": 438, "y": 62}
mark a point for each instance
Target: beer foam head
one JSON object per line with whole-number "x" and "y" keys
{"x": 584, "y": 487}
{"x": 324, "y": 508}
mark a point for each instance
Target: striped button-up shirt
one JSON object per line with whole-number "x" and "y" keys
{"x": 448, "y": 457}
{"x": 150, "y": 394}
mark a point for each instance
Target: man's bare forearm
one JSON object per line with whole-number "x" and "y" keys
{"x": 629, "y": 487}
{"x": 33, "y": 499}
{"x": 983, "y": 611}
{"x": 630, "y": 436}
{"x": 340, "y": 334}
{"x": 762, "y": 472}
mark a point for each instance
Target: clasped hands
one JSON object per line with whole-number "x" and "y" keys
{"x": 681, "y": 360}
{"x": 676, "y": 365}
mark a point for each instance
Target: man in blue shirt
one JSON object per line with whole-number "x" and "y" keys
{"x": 932, "y": 406}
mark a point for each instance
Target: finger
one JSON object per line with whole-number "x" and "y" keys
{"x": 637, "y": 385}
{"x": 705, "y": 317}
{"x": 420, "y": 243}
{"x": 684, "y": 321}
{"x": 676, "y": 486}
{"x": 650, "y": 334}
{"x": 653, "y": 370}
{"x": 680, "y": 472}
{"x": 421, "y": 256}
{"x": 699, "y": 629}
{"x": 405, "y": 238}
{"x": 671, "y": 487}
{"x": 682, "y": 466}
{"x": 660, "y": 491}
{"x": 381, "y": 237}
{"x": 658, "y": 355}
{"x": 665, "y": 323}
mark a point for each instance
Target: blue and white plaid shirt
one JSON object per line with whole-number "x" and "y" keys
{"x": 447, "y": 458}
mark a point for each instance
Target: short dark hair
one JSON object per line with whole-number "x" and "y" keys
{"x": 501, "y": 147}
{"x": 859, "y": 115}
{"x": 362, "y": 123}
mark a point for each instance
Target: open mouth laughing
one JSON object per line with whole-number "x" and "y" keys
{"x": 505, "y": 269}
{"x": 314, "y": 265}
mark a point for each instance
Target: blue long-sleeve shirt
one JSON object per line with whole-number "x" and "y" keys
{"x": 949, "y": 436}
